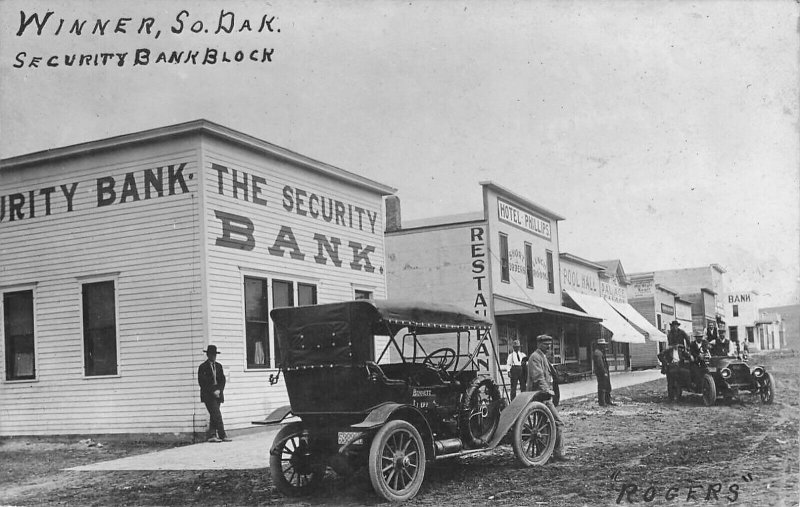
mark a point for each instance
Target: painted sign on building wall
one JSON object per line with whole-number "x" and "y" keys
{"x": 239, "y": 231}
{"x": 478, "y": 259}
{"x": 642, "y": 288}
{"x": 613, "y": 292}
{"x": 572, "y": 278}
{"x": 512, "y": 215}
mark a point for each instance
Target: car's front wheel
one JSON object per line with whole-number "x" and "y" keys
{"x": 397, "y": 461}
{"x": 767, "y": 391}
{"x": 709, "y": 390}
{"x": 292, "y": 465}
{"x": 534, "y": 437}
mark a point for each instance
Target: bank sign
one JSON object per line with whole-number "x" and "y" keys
{"x": 510, "y": 214}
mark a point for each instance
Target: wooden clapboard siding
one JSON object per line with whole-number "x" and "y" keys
{"x": 150, "y": 248}
{"x": 248, "y": 395}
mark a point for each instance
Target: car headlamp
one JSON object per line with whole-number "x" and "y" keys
{"x": 726, "y": 373}
{"x": 758, "y": 371}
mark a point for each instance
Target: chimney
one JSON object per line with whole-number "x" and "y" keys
{"x": 393, "y": 213}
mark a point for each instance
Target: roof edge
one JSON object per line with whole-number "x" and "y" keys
{"x": 525, "y": 202}
{"x": 200, "y": 126}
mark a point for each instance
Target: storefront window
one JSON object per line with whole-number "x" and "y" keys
{"x": 99, "y": 329}
{"x": 504, "y": 269}
{"x": 362, "y": 294}
{"x": 256, "y": 309}
{"x": 261, "y": 351}
{"x": 18, "y": 331}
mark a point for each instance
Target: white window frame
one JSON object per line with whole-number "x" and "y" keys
{"x": 19, "y": 288}
{"x": 364, "y": 288}
{"x": 269, "y": 276}
{"x": 82, "y": 280}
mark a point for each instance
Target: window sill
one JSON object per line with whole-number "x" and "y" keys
{"x": 93, "y": 377}
{"x": 20, "y": 381}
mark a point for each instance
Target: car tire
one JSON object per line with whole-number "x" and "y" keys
{"x": 767, "y": 391}
{"x": 534, "y": 437}
{"x": 481, "y": 412}
{"x": 397, "y": 461}
{"x": 709, "y": 390}
{"x": 291, "y": 466}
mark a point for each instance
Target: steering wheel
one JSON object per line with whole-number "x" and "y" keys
{"x": 441, "y": 359}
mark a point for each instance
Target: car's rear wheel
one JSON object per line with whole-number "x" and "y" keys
{"x": 397, "y": 461}
{"x": 767, "y": 391}
{"x": 534, "y": 436}
{"x": 709, "y": 390}
{"x": 481, "y": 413}
{"x": 294, "y": 469}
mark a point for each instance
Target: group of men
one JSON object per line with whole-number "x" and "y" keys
{"x": 712, "y": 343}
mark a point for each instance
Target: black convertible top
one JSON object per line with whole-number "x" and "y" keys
{"x": 338, "y": 333}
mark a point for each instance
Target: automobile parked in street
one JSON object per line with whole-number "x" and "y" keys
{"x": 369, "y": 389}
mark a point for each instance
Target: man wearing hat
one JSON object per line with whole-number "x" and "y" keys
{"x": 601, "y": 372}
{"x": 540, "y": 378}
{"x": 211, "y": 378}
{"x": 514, "y": 364}
{"x": 676, "y": 335}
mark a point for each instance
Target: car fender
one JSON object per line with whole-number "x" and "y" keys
{"x": 277, "y": 415}
{"x": 510, "y": 414}
{"x": 382, "y": 413}
{"x": 385, "y": 412}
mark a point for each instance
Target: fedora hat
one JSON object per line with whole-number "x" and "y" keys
{"x": 212, "y": 349}
{"x": 674, "y": 323}
{"x": 602, "y": 341}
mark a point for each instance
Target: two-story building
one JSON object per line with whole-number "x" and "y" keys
{"x": 502, "y": 262}
{"x": 748, "y": 323}
{"x": 704, "y": 287}
{"x": 122, "y": 259}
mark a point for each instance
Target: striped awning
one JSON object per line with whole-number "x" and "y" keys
{"x": 621, "y": 331}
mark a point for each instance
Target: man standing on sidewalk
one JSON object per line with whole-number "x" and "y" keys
{"x": 514, "y": 364}
{"x": 211, "y": 378}
{"x": 602, "y": 374}
{"x": 540, "y": 378}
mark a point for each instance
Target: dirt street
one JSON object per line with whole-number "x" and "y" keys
{"x": 645, "y": 451}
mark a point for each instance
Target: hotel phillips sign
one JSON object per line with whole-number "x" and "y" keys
{"x": 512, "y": 215}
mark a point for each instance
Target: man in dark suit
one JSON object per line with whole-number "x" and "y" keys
{"x": 601, "y": 372}
{"x": 211, "y": 378}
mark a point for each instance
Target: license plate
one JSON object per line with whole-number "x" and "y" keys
{"x": 346, "y": 437}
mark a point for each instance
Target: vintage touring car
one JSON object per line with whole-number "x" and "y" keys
{"x": 716, "y": 377}
{"x": 394, "y": 406}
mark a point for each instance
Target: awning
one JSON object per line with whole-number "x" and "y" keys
{"x": 636, "y": 318}
{"x": 613, "y": 321}
{"x": 508, "y": 306}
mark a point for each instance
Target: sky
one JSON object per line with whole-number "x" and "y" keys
{"x": 666, "y": 133}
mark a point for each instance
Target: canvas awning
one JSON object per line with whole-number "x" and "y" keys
{"x": 508, "y": 306}
{"x": 621, "y": 331}
{"x": 636, "y": 318}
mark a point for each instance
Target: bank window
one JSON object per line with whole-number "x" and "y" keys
{"x": 261, "y": 296}
{"x": 504, "y": 270}
{"x": 18, "y": 332}
{"x": 735, "y": 310}
{"x": 528, "y": 265}
{"x": 551, "y": 288}
{"x": 99, "y": 329}
{"x": 362, "y": 294}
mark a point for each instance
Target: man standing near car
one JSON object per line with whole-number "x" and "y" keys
{"x": 514, "y": 364}
{"x": 677, "y": 336}
{"x": 211, "y": 378}
{"x": 540, "y": 378}
{"x": 602, "y": 374}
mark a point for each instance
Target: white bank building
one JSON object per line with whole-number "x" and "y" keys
{"x": 121, "y": 259}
